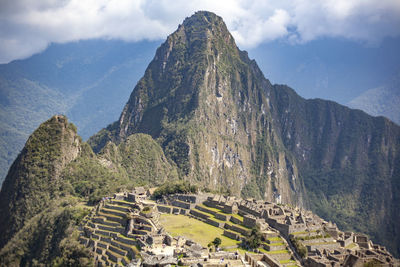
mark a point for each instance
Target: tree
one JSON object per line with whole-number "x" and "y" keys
{"x": 254, "y": 240}
{"x": 217, "y": 241}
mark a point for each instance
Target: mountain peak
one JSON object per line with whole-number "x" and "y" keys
{"x": 203, "y": 32}
{"x": 204, "y": 20}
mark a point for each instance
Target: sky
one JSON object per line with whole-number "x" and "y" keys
{"x": 28, "y": 27}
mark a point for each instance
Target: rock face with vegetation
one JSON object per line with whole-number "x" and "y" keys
{"x": 226, "y": 126}
{"x": 204, "y": 113}
{"x": 34, "y": 178}
{"x": 42, "y": 195}
{"x": 208, "y": 106}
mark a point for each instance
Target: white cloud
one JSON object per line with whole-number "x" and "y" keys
{"x": 26, "y": 27}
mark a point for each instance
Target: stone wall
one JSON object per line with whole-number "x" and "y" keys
{"x": 232, "y": 235}
{"x": 237, "y": 229}
{"x": 281, "y": 256}
{"x": 249, "y": 221}
{"x": 211, "y": 204}
{"x": 270, "y": 261}
{"x": 222, "y": 217}
{"x": 248, "y": 210}
{"x": 164, "y": 209}
{"x": 200, "y": 208}
{"x": 282, "y": 228}
{"x": 214, "y": 223}
{"x": 252, "y": 259}
{"x": 230, "y": 208}
{"x": 117, "y": 208}
{"x": 298, "y": 228}
{"x": 199, "y": 214}
{"x": 235, "y": 220}
{"x": 181, "y": 204}
{"x": 186, "y": 198}
{"x": 272, "y": 247}
{"x": 321, "y": 246}
{"x": 319, "y": 240}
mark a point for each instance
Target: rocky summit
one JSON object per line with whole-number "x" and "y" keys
{"x": 204, "y": 113}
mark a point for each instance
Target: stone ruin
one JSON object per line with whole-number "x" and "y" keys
{"x": 126, "y": 227}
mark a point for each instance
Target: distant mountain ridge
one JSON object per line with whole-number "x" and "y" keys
{"x": 89, "y": 81}
{"x": 381, "y": 101}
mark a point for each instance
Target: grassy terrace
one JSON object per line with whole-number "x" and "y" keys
{"x": 217, "y": 220}
{"x": 274, "y": 244}
{"x": 102, "y": 214}
{"x": 351, "y": 246}
{"x": 204, "y": 213}
{"x": 240, "y": 226}
{"x": 198, "y": 231}
{"x": 213, "y": 209}
{"x": 237, "y": 216}
{"x": 322, "y": 243}
{"x": 122, "y": 203}
{"x": 303, "y": 232}
{"x": 287, "y": 261}
{"x": 120, "y": 213}
{"x": 277, "y": 238}
{"x": 283, "y": 251}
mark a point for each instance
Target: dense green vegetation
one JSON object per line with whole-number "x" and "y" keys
{"x": 253, "y": 241}
{"x": 49, "y": 237}
{"x": 181, "y": 187}
{"x": 300, "y": 248}
{"x": 53, "y": 174}
{"x": 33, "y": 180}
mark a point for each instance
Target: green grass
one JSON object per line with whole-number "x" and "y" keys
{"x": 351, "y": 246}
{"x": 286, "y": 261}
{"x": 113, "y": 212}
{"x": 115, "y": 201}
{"x": 283, "y": 251}
{"x": 204, "y": 213}
{"x": 217, "y": 220}
{"x": 240, "y": 250}
{"x": 303, "y": 232}
{"x": 275, "y": 244}
{"x": 102, "y": 214}
{"x": 277, "y": 238}
{"x": 212, "y": 209}
{"x": 203, "y": 233}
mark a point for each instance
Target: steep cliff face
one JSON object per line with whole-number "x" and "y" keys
{"x": 226, "y": 126}
{"x": 34, "y": 177}
{"x": 208, "y": 106}
{"x": 349, "y": 163}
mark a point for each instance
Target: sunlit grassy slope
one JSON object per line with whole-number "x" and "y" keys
{"x": 203, "y": 233}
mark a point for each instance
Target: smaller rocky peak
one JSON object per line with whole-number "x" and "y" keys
{"x": 34, "y": 178}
